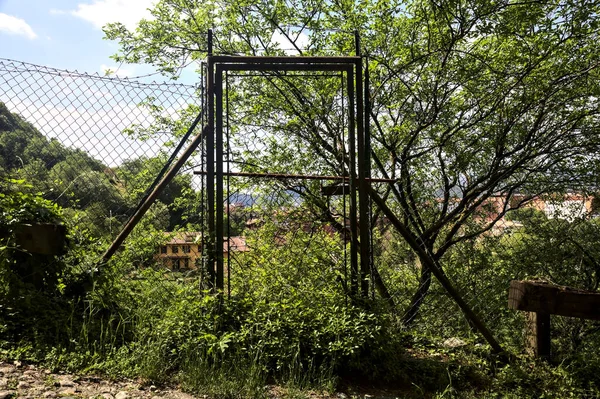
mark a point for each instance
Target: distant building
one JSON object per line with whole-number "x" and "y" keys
{"x": 234, "y": 244}
{"x": 569, "y": 206}
{"x": 183, "y": 251}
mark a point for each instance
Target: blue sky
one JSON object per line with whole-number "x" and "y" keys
{"x": 89, "y": 114}
{"x": 67, "y": 34}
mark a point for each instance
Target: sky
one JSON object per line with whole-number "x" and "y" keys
{"x": 67, "y": 34}
{"x": 89, "y": 114}
{"x": 80, "y": 112}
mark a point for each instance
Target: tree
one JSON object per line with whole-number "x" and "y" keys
{"x": 66, "y": 176}
{"x": 470, "y": 99}
{"x": 136, "y": 175}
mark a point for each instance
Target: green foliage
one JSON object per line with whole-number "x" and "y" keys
{"x": 300, "y": 316}
{"x": 288, "y": 317}
{"x": 136, "y": 175}
{"x": 21, "y": 143}
{"x": 98, "y": 197}
{"x": 289, "y": 320}
{"x": 19, "y": 203}
{"x": 26, "y": 279}
{"x": 472, "y": 100}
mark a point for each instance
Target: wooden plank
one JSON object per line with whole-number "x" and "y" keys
{"x": 43, "y": 238}
{"x": 540, "y": 297}
{"x": 537, "y": 334}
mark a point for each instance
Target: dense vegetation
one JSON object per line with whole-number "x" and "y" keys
{"x": 289, "y": 320}
{"x": 86, "y": 188}
{"x": 471, "y": 102}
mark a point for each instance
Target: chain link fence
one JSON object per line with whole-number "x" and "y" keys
{"x": 95, "y": 144}
{"x": 277, "y": 171}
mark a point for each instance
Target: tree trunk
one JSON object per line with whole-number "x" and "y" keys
{"x": 381, "y": 287}
{"x": 419, "y": 296}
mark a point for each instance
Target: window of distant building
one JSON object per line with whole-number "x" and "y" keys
{"x": 186, "y": 263}
{"x": 175, "y": 249}
{"x": 163, "y": 249}
{"x": 186, "y": 249}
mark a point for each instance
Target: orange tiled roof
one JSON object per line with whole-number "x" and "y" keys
{"x": 182, "y": 237}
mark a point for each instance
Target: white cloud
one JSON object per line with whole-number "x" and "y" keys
{"x": 117, "y": 71}
{"x": 102, "y": 12}
{"x": 15, "y": 26}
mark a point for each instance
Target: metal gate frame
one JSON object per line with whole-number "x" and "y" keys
{"x": 359, "y": 148}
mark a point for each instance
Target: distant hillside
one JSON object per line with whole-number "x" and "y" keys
{"x": 73, "y": 179}
{"x": 22, "y": 144}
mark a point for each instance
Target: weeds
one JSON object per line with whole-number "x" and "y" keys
{"x": 291, "y": 327}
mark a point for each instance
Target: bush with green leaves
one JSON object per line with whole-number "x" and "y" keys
{"x": 301, "y": 314}
{"x": 27, "y": 280}
{"x": 288, "y": 315}
{"x": 20, "y": 203}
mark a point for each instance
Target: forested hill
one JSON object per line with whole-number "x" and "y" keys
{"x": 89, "y": 190}
{"x": 23, "y": 146}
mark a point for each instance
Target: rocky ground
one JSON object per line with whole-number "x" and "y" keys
{"x": 27, "y": 381}
{"x": 30, "y": 382}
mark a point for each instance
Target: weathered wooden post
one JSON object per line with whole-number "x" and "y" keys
{"x": 537, "y": 334}
{"x": 540, "y": 300}
{"x": 41, "y": 238}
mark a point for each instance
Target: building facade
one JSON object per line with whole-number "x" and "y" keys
{"x": 183, "y": 250}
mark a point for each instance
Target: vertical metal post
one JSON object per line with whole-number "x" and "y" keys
{"x": 210, "y": 163}
{"x": 363, "y": 199}
{"x": 367, "y": 95}
{"x": 219, "y": 178}
{"x": 353, "y": 214}
{"x": 228, "y": 192}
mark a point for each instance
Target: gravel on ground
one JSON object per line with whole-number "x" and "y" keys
{"x": 27, "y": 381}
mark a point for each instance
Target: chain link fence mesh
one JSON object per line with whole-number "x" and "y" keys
{"x": 94, "y": 144}
{"x": 274, "y": 179}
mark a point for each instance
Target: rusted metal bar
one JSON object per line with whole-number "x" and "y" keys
{"x": 219, "y": 178}
{"x": 154, "y": 194}
{"x": 367, "y": 83}
{"x": 294, "y": 176}
{"x": 363, "y": 196}
{"x": 437, "y": 272}
{"x": 210, "y": 164}
{"x": 284, "y": 60}
{"x": 354, "y": 243}
{"x": 348, "y": 65}
{"x": 285, "y": 67}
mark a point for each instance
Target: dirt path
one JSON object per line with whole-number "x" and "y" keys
{"x": 30, "y": 382}
{"x": 26, "y": 381}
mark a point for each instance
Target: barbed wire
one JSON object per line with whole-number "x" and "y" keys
{"x": 14, "y": 66}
